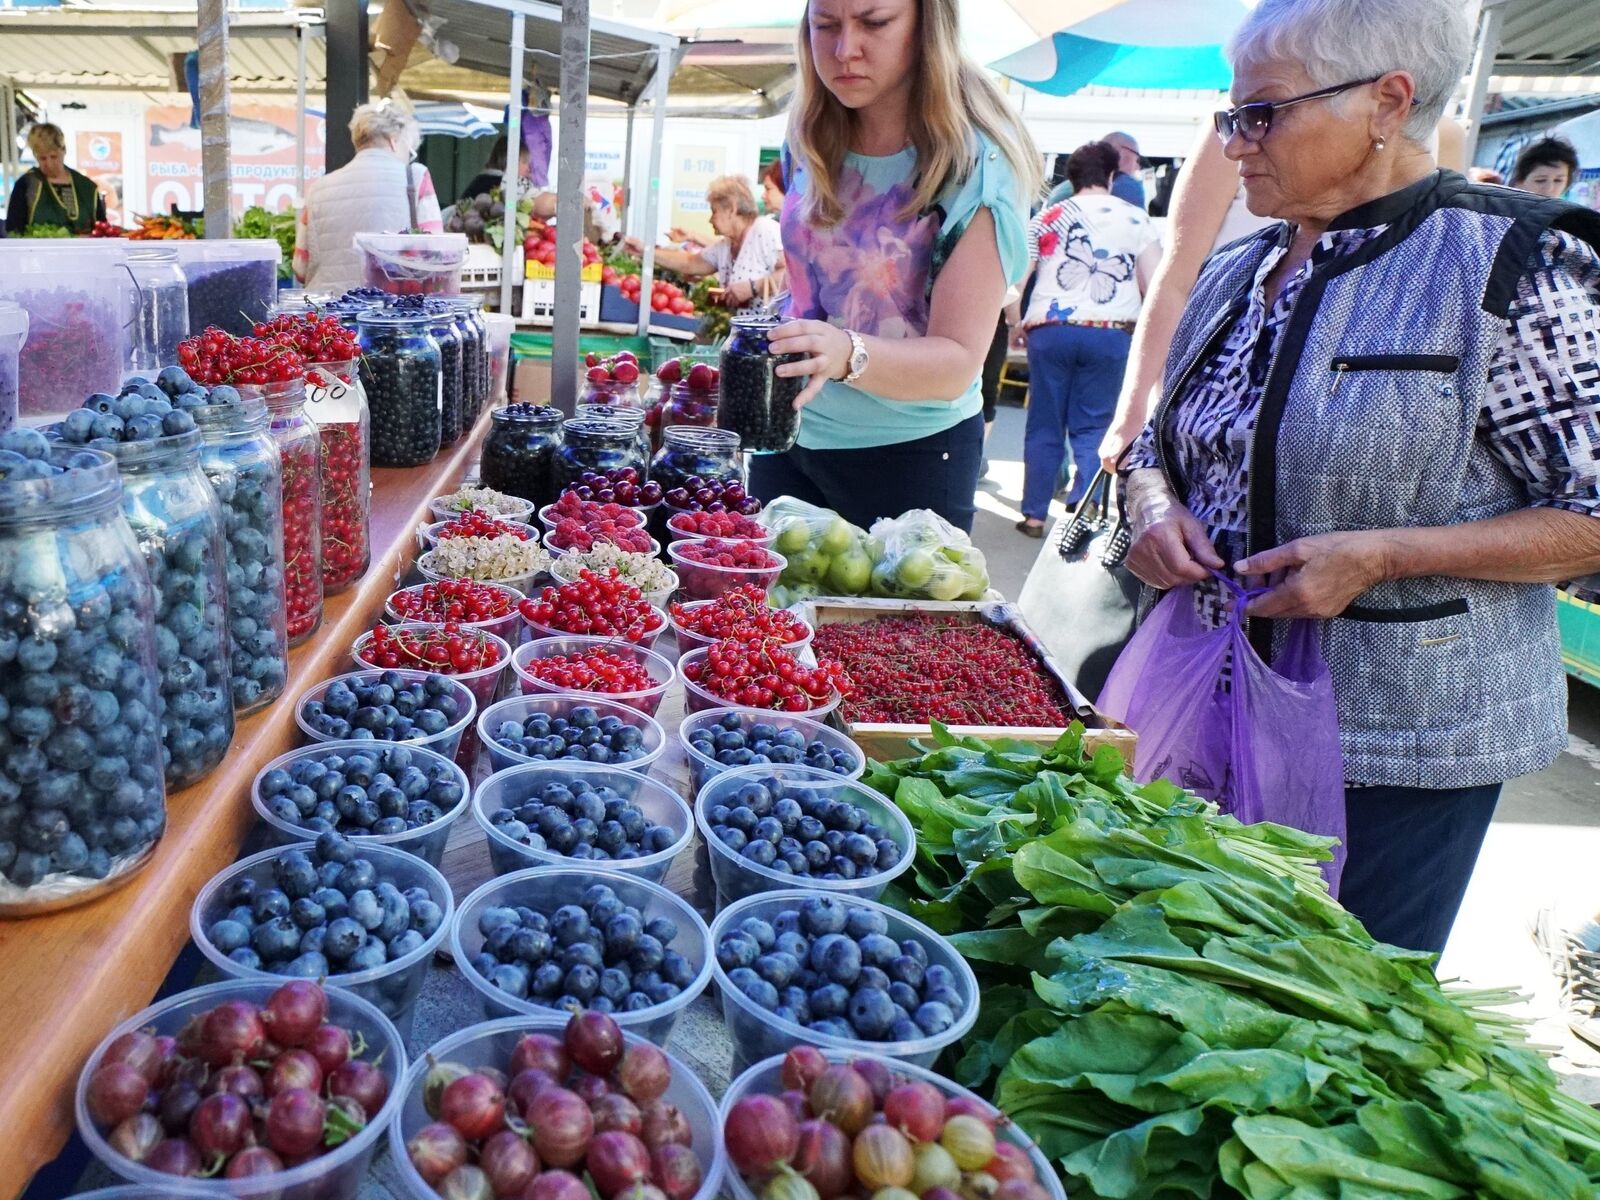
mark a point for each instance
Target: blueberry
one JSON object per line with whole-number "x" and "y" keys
{"x": 569, "y": 924}
{"x": 227, "y": 936}
{"x": 829, "y": 1000}
{"x": 934, "y": 1018}
{"x": 647, "y": 954}
{"x": 276, "y": 939}
{"x": 776, "y": 969}
{"x": 821, "y": 915}
{"x": 737, "y": 949}
{"x": 833, "y": 1027}
{"x": 871, "y": 1012}
{"x": 878, "y": 950}
{"x": 511, "y": 979}
{"x": 864, "y": 921}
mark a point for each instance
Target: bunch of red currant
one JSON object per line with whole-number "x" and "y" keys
{"x": 462, "y": 600}
{"x": 449, "y": 649}
{"x": 764, "y": 675}
{"x": 481, "y": 524}
{"x": 317, "y": 339}
{"x": 594, "y": 604}
{"x": 215, "y": 357}
{"x": 600, "y": 670}
{"x": 740, "y": 613}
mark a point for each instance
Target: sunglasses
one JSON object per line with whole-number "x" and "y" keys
{"x": 1253, "y": 120}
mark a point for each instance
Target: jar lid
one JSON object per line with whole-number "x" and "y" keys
{"x": 152, "y": 254}
{"x": 176, "y": 450}
{"x": 612, "y": 412}
{"x": 756, "y": 319}
{"x": 706, "y": 436}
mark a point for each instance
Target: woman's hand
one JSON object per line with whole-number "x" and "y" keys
{"x": 1170, "y": 546}
{"x": 1116, "y": 441}
{"x": 634, "y": 246}
{"x": 826, "y": 347}
{"x": 1316, "y": 576}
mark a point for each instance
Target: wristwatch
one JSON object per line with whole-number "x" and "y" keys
{"x": 857, "y": 364}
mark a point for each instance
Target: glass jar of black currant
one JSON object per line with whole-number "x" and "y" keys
{"x": 474, "y": 361}
{"x": 592, "y": 444}
{"x": 686, "y": 405}
{"x": 627, "y": 415}
{"x": 757, "y": 403}
{"x": 242, "y": 462}
{"x": 520, "y": 450}
{"x": 443, "y": 329}
{"x": 81, "y": 797}
{"x": 403, "y": 379}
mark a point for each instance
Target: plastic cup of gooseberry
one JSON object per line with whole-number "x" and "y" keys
{"x": 516, "y": 785}
{"x": 567, "y": 568}
{"x": 677, "y": 534}
{"x": 637, "y": 516}
{"x": 490, "y": 1043}
{"x": 446, "y": 742}
{"x": 524, "y": 581}
{"x": 704, "y": 767}
{"x": 545, "y": 889}
{"x": 393, "y": 987}
{"x": 758, "y": 1033}
{"x": 519, "y": 509}
{"x": 688, "y": 639}
{"x": 428, "y": 535}
{"x": 482, "y": 681}
{"x": 507, "y": 626}
{"x": 336, "y": 1175}
{"x": 646, "y": 700}
{"x": 562, "y": 704}
{"x": 698, "y": 699}
{"x": 707, "y": 581}
{"x": 737, "y": 876}
{"x": 658, "y": 626}
{"x": 425, "y": 841}
{"x": 766, "y": 1078}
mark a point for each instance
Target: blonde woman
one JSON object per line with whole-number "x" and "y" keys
{"x": 52, "y": 193}
{"x": 748, "y": 253}
{"x": 380, "y": 190}
{"x": 904, "y": 222}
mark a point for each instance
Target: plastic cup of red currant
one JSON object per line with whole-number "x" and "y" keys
{"x": 473, "y": 656}
{"x": 491, "y": 607}
{"x": 742, "y": 687}
{"x": 611, "y": 668}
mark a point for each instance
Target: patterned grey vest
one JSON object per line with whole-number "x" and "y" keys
{"x": 1441, "y": 682}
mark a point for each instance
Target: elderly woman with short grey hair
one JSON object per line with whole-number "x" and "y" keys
{"x": 1384, "y": 410}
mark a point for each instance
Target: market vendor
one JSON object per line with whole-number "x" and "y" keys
{"x": 1384, "y": 409}
{"x": 747, "y": 255}
{"x": 52, "y": 193}
{"x": 903, "y": 225}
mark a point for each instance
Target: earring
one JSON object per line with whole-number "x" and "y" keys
{"x": 1378, "y": 145}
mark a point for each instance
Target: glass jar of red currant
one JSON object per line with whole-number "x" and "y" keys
{"x": 520, "y": 450}
{"x": 591, "y": 444}
{"x": 689, "y": 405}
{"x": 300, "y": 448}
{"x": 623, "y": 413}
{"x": 338, "y": 406}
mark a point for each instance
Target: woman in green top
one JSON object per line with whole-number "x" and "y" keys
{"x": 904, "y": 222}
{"x": 52, "y": 193}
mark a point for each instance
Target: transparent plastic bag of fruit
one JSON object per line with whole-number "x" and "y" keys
{"x": 826, "y": 553}
{"x": 921, "y": 556}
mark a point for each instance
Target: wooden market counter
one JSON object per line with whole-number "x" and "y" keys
{"x": 67, "y": 977}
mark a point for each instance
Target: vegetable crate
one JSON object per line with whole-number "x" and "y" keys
{"x": 891, "y": 741}
{"x": 481, "y": 272}
{"x": 539, "y": 295}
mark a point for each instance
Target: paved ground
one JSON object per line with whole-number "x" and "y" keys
{"x": 1543, "y": 847}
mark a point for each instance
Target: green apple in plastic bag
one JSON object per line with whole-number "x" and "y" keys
{"x": 850, "y": 573}
{"x": 808, "y": 566}
{"x": 793, "y": 538}
{"x": 913, "y": 572}
{"x": 839, "y": 537}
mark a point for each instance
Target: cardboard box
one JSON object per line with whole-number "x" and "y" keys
{"x": 531, "y": 382}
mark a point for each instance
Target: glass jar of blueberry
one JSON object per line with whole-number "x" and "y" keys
{"x": 300, "y": 447}
{"x": 590, "y": 444}
{"x": 690, "y": 454}
{"x": 757, "y": 403}
{"x": 520, "y": 450}
{"x": 242, "y": 462}
{"x": 403, "y": 378}
{"x": 443, "y": 329}
{"x": 81, "y": 796}
{"x": 338, "y": 408}
{"x": 620, "y": 412}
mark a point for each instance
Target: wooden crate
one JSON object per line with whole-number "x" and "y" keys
{"x": 890, "y": 741}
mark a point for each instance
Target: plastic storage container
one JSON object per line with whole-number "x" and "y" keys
{"x": 538, "y": 630}
{"x": 393, "y": 987}
{"x": 402, "y": 376}
{"x": 233, "y": 282}
{"x": 737, "y": 876}
{"x": 759, "y": 1034}
{"x": 177, "y": 521}
{"x": 338, "y": 408}
{"x": 519, "y": 452}
{"x": 425, "y": 841}
{"x": 688, "y": 452}
{"x": 516, "y": 785}
{"x": 490, "y": 1045}
{"x": 708, "y": 580}
{"x": 442, "y": 327}
{"x": 703, "y": 767}
{"x": 512, "y": 508}
{"x": 544, "y": 889}
{"x": 300, "y": 447}
{"x": 82, "y": 770}
{"x": 567, "y": 568}
{"x": 499, "y": 329}
{"x": 76, "y": 293}
{"x": 698, "y": 699}
{"x": 428, "y": 535}
{"x": 527, "y": 582}
{"x": 519, "y": 708}
{"x": 13, "y": 332}
{"x": 412, "y": 264}
{"x": 242, "y": 462}
{"x": 446, "y": 742}
{"x": 336, "y": 1175}
{"x": 766, "y": 1078}
{"x": 646, "y": 700}
{"x": 594, "y": 445}
{"x": 688, "y": 640}
{"x": 160, "y": 307}
{"x": 757, "y": 403}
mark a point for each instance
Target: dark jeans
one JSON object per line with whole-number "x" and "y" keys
{"x": 993, "y": 363}
{"x": 1074, "y": 375}
{"x": 938, "y": 472}
{"x": 1412, "y": 851}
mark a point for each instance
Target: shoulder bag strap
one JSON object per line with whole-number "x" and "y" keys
{"x": 411, "y": 198}
{"x": 1088, "y": 518}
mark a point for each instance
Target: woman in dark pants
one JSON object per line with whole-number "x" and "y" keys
{"x": 903, "y": 224}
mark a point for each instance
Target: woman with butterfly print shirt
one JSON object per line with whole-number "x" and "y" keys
{"x": 1094, "y": 255}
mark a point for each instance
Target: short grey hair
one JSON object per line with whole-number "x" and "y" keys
{"x": 1337, "y": 41}
{"x": 380, "y": 121}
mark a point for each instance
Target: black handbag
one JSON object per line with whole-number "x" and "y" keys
{"x": 1079, "y": 598}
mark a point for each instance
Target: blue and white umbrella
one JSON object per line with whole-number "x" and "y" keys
{"x": 455, "y": 120}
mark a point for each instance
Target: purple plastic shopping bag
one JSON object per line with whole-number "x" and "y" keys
{"x": 1261, "y": 741}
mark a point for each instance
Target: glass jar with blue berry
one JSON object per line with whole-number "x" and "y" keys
{"x": 241, "y": 460}
{"x": 520, "y": 451}
{"x": 82, "y": 802}
{"x": 403, "y": 378}
{"x": 444, "y": 330}
{"x": 474, "y": 361}
{"x": 690, "y": 451}
{"x": 627, "y": 414}
{"x": 756, "y": 402}
{"x": 593, "y": 444}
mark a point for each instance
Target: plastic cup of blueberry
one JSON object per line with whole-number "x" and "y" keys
{"x": 418, "y": 708}
{"x": 768, "y": 827}
{"x": 572, "y": 938}
{"x": 567, "y": 728}
{"x": 839, "y": 973}
{"x": 385, "y": 794}
{"x": 720, "y": 739}
{"x": 366, "y": 918}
